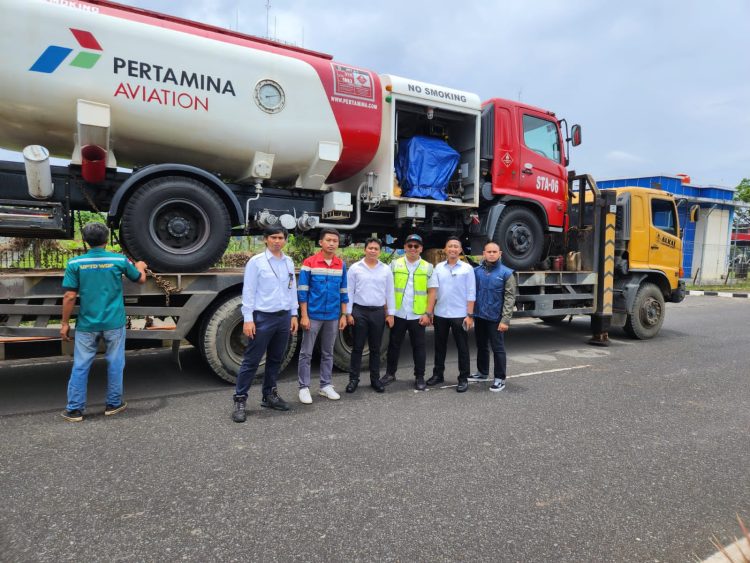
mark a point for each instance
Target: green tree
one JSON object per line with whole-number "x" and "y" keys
{"x": 742, "y": 216}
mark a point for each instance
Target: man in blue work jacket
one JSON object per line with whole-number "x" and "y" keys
{"x": 96, "y": 277}
{"x": 322, "y": 295}
{"x": 496, "y": 296}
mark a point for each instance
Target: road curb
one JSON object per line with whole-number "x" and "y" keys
{"x": 719, "y": 294}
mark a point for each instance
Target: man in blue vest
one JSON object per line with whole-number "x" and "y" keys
{"x": 96, "y": 277}
{"x": 496, "y": 296}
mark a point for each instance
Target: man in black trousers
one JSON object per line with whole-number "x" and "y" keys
{"x": 453, "y": 308}
{"x": 371, "y": 306}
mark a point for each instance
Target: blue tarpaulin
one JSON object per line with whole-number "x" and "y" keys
{"x": 424, "y": 167}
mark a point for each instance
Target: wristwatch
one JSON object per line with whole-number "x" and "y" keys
{"x": 470, "y": 315}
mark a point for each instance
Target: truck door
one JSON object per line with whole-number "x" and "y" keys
{"x": 543, "y": 175}
{"x": 666, "y": 247}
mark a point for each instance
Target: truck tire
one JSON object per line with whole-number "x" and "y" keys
{"x": 342, "y": 349}
{"x": 222, "y": 343}
{"x": 647, "y": 316}
{"x": 176, "y": 224}
{"x": 553, "y": 319}
{"x": 521, "y": 238}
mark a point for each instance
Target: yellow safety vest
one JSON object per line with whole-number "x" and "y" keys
{"x": 401, "y": 278}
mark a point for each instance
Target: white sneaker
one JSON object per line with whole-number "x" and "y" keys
{"x": 329, "y": 393}
{"x": 304, "y": 396}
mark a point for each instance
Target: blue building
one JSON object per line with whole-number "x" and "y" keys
{"x": 706, "y": 243}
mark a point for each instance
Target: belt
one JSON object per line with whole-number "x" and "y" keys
{"x": 368, "y": 307}
{"x": 274, "y": 313}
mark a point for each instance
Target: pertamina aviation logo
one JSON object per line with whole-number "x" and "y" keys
{"x": 54, "y": 55}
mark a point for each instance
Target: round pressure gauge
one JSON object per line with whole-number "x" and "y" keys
{"x": 269, "y": 96}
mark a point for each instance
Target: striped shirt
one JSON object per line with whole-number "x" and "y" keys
{"x": 97, "y": 277}
{"x": 323, "y": 287}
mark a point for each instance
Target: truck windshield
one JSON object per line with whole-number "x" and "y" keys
{"x": 540, "y": 135}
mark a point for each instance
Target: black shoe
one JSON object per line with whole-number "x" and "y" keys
{"x": 352, "y": 385}
{"x": 239, "y": 414}
{"x": 109, "y": 410}
{"x": 377, "y": 386}
{"x": 419, "y": 384}
{"x": 273, "y": 401}
{"x": 387, "y": 379}
{"x": 72, "y": 416}
{"x": 435, "y": 379}
{"x": 463, "y": 385}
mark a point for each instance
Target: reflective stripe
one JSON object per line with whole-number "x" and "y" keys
{"x": 303, "y": 288}
{"x": 326, "y": 272}
{"x": 401, "y": 278}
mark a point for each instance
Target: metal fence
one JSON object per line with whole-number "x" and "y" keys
{"x": 41, "y": 254}
{"x": 717, "y": 264}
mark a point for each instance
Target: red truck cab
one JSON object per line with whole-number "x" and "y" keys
{"x": 525, "y": 189}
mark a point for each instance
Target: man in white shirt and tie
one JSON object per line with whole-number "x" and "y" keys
{"x": 371, "y": 306}
{"x": 453, "y": 308}
{"x": 269, "y": 309}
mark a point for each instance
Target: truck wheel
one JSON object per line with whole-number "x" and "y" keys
{"x": 222, "y": 343}
{"x": 645, "y": 320}
{"x": 342, "y": 349}
{"x": 553, "y": 320}
{"x": 521, "y": 238}
{"x": 175, "y": 224}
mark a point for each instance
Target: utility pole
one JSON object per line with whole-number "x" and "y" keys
{"x": 268, "y": 11}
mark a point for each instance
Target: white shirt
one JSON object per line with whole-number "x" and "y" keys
{"x": 407, "y": 302}
{"x": 370, "y": 287}
{"x": 269, "y": 285}
{"x": 456, "y": 286}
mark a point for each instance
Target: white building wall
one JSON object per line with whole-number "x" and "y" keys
{"x": 712, "y": 240}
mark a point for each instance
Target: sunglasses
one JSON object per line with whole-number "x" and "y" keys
{"x": 413, "y": 245}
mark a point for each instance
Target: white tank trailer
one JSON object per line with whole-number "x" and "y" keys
{"x": 225, "y": 133}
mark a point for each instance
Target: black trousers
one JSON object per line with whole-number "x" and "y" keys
{"x": 442, "y": 327}
{"x": 271, "y": 338}
{"x": 416, "y": 337}
{"x": 489, "y": 337}
{"x": 369, "y": 324}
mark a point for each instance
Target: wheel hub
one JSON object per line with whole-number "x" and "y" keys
{"x": 178, "y": 227}
{"x": 651, "y": 312}
{"x": 520, "y": 238}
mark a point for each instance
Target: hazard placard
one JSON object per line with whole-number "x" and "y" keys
{"x": 507, "y": 159}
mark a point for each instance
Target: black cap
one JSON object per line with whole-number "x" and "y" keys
{"x": 415, "y": 238}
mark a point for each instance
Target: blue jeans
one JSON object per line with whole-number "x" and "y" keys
{"x": 83, "y": 357}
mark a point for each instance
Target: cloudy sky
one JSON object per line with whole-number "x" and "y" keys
{"x": 659, "y": 86}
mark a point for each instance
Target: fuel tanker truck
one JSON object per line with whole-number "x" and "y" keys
{"x": 186, "y": 134}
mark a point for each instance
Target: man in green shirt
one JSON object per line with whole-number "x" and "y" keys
{"x": 96, "y": 278}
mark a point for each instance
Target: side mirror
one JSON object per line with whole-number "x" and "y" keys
{"x": 576, "y": 130}
{"x": 695, "y": 211}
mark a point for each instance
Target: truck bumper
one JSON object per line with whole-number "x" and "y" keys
{"x": 678, "y": 294}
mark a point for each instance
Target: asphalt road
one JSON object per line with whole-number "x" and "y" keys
{"x": 636, "y": 452}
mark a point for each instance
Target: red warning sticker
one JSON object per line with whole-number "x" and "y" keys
{"x": 507, "y": 160}
{"x": 352, "y": 82}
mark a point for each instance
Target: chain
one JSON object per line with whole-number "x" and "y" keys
{"x": 164, "y": 284}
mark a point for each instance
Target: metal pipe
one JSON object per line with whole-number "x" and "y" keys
{"x": 351, "y": 226}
